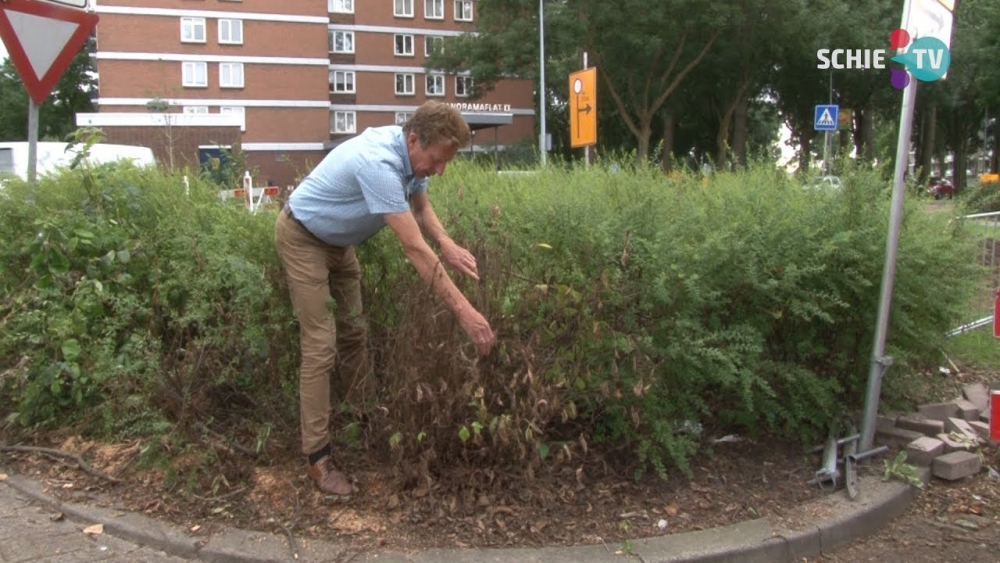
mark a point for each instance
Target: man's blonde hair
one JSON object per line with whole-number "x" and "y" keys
{"x": 436, "y": 122}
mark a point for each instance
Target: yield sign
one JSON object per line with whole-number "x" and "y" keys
{"x": 42, "y": 39}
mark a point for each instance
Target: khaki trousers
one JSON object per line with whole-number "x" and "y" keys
{"x": 317, "y": 271}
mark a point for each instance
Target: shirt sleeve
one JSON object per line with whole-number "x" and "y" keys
{"x": 382, "y": 188}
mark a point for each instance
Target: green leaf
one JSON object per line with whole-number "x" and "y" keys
{"x": 395, "y": 439}
{"x": 71, "y": 350}
{"x": 72, "y": 244}
{"x": 543, "y": 451}
{"x": 464, "y": 434}
{"x": 83, "y": 234}
{"x": 124, "y": 256}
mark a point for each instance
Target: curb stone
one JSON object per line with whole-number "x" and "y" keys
{"x": 840, "y": 521}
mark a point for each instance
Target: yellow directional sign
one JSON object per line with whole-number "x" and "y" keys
{"x": 583, "y": 108}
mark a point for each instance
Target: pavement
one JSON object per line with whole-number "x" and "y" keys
{"x": 35, "y": 526}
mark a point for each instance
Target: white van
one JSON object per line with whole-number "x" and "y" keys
{"x": 54, "y": 156}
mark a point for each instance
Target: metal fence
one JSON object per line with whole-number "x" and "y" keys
{"x": 980, "y": 309}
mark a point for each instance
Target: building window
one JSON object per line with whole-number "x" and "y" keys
{"x": 342, "y": 122}
{"x": 463, "y": 86}
{"x": 230, "y": 75}
{"x": 194, "y": 75}
{"x": 192, "y": 30}
{"x": 341, "y": 41}
{"x": 195, "y": 109}
{"x": 433, "y": 45}
{"x": 404, "y": 45}
{"x": 340, "y": 6}
{"x": 403, "y": 9}
{"x": 402, "y": 117}
{"x": 435, "y": 84}
{"x": 235, "y": 110}
{"x": 434, "y": 9}
{"x": 230, "y": 32}
{"x": 463, "y": 10}
{"x": 342, "y": 81}
{"x": 404, "y": 84}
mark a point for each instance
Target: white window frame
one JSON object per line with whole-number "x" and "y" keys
{"x": 438, "y": 80}
{"x": 403, "y": 116}
{"x": 348, "y": 81}
{"x": 407, "y": 38}
{"x": 407, "y": 77}
{"x": 466, "y": 91}
{"x": 190, "y": 28}
{"x": 340, "y": 6}
{"x": 195, "y": 109}
{"x": 429, "y": 39}
{"x": 229, "y": 27}
{"x": 191, "y": 72}
{"x": 235, "y": 110}
{"x": 433, "y": 9}
{"x": 332, "y": 38}
{"x": 232, "y": 82}
{"x": 402, "y": 8}
{"x": 463, "y": 7}
{"x": 350, "y": 124}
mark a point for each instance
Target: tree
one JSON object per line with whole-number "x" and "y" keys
{"x": 57, "y": 116}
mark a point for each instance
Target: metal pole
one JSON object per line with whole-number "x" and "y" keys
{"x": 826, "y": 139}
{"x": 32, "y": 141}
{"x": 541, "y": 82}
{"x": 880, "y": 363}
{"x": 586, "y": 149}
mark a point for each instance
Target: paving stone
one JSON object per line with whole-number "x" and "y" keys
{"x": 918, "y": 423}
{"x": 951, "y": 444}
{"x": 962, "y": 427}
{"x": 897, "y": 437}
{"x": 938, "y": 411}
{"x": 924, "y": 474}
{"x": 885, "y": 422}
{"x": 922, "y": 451}
{"x": 982, "y": 429}
{"x": 967, "y": 410}
{"x": 977, "y": 394}
{"x": 956, "y": 465}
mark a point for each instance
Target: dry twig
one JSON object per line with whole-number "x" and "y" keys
{"x": 66, "y": 455}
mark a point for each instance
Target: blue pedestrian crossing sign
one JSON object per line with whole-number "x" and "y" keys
{"x": 826, "y": 117}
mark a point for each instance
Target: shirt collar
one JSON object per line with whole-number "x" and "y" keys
{"x": 401, "y": 145}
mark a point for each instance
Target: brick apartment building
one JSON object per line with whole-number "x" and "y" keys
{"x": 286, "y": 81}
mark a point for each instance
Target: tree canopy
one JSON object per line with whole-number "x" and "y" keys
{"x": 713, "y": 81}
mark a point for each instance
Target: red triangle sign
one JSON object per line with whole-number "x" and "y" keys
{"x": 42, "y": 39}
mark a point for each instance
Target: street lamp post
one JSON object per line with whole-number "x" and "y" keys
{"x": 541, "y": 80}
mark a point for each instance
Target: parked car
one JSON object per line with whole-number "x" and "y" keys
{"x": 51, "y": 157}
{"x": 939, "y": 188}
{"x": 826, "y": 183}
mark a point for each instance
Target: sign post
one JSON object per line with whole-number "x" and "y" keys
{"x": 42, "y": 38}
{"x": 918, "y": 22}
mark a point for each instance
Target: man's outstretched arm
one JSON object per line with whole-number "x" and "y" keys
{"x": 456, "y": 256}
{"x": 431, "y": 270}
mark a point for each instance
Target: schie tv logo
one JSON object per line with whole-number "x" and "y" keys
{"x": 927, "y": 59}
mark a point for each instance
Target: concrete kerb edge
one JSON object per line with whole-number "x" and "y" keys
{"x": 746, "y": 542}
{"x": 127, "y": 526}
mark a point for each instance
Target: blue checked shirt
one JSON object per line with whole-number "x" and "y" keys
{"x": 343, "y": 199}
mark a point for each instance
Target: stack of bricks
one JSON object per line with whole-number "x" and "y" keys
{"x": 942, "y": 438}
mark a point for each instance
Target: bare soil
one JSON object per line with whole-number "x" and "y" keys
{"x": 732, "y": 481}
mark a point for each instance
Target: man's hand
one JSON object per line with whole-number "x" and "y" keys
{"x": 460, "y": 259}
{"x": 478, "y": 329}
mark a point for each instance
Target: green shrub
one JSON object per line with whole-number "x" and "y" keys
{"x": 635, "y": 312}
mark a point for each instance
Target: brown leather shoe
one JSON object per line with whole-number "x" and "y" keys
{"x": 328, "y": 479}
